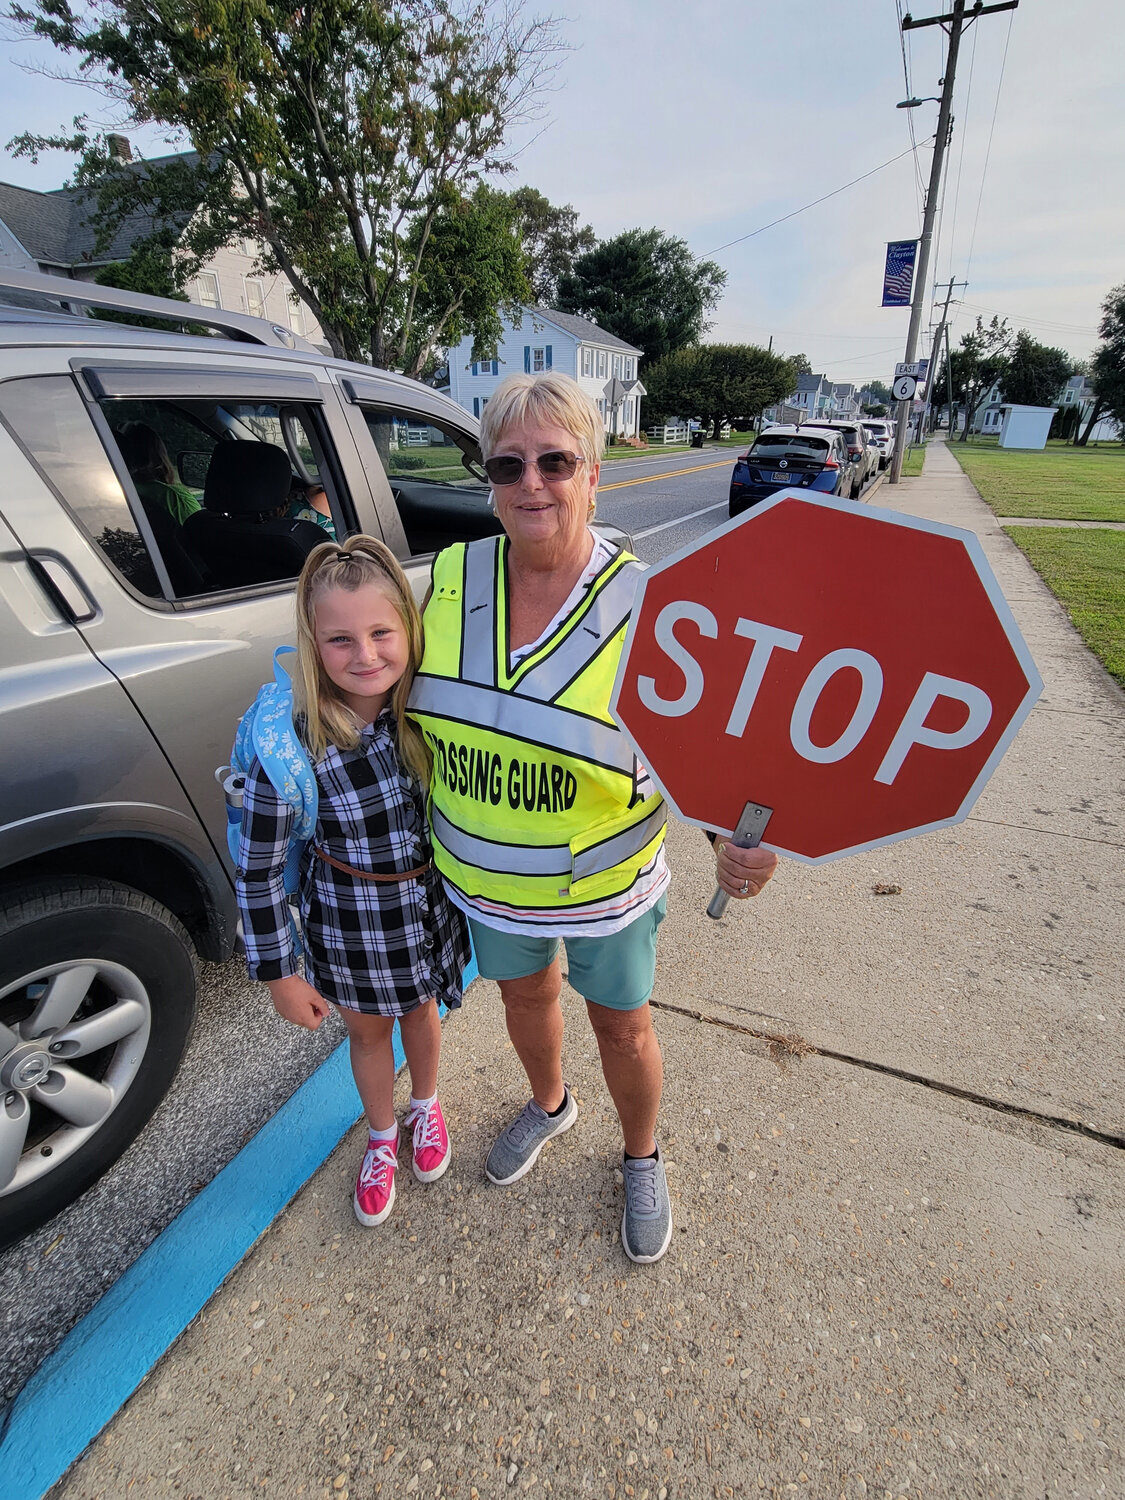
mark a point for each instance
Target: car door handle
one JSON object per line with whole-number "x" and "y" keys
{"x": 64, "y": 588}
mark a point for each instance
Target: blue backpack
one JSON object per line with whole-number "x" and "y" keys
{"x": 266, "y": 731}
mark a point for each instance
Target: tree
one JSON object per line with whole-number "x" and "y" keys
{"x": 875, "y": 411}
{"x": 342, "y": 135}
{"x": 552, "y": 240}
{"x": 718, "y": 383}
{"x": 1107, "y": 368}
{"x": 984, "y": 358}
{"x": 881, "y": 392}
{"x": 647, "y": 288}
{"x": 1035, "y": 373}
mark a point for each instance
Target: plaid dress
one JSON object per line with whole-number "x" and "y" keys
{"x": 382, "y": 949}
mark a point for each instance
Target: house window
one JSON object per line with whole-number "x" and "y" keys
{"x": 538, "y": 361}
{"x": 602, "y": 363}
{"x": 628, "y": 366}
{"x": 207, "y": 289}
{"x": 617, "y": 366}
{"x": 255, "y": 298}
{"x": 248, "y": 248}
{"x": 296, "y": 316}
{"x": 587, "y": 362}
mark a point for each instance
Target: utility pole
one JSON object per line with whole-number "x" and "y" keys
{"x": 935, "y": 347}
{"x": 954, "y": 24}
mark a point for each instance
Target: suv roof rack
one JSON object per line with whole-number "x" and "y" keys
{"x": 239, "y": 326}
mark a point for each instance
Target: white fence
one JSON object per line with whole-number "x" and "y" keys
{"x": 678, "y": 434}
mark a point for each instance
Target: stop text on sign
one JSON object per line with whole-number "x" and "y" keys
{"x": 912, "y": 729}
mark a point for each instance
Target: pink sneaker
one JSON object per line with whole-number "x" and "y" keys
{"x": 431, "y": 1142}
{"x": 375, "y": 1185}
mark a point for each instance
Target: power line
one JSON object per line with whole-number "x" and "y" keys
{"x": 988, "y": 148}
{"x": 961, "y": 154}
{"x": 909, "y": 113}
{"x": 835, "y": 191}
{"x": 1039, "y": 322}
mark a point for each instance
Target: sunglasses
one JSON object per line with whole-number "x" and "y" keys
{"x": 508, "y": 469}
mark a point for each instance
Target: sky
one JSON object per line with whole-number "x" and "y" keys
{"x": 712, "y": 120}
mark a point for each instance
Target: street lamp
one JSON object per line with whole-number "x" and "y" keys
{"x": 913, "y": 103}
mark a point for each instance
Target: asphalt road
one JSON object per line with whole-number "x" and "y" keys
{"x": 243, "y": 1063}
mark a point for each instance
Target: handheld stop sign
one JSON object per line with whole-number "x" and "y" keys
{"x": 854, "y": 671}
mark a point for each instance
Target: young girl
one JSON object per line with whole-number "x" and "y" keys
{"x": 382, "y": 940}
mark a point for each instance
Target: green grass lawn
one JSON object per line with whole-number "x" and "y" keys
{"x": 1085, "y": 569}
{"x": 913, "y": 459}
{"x": 1059, "y": 484}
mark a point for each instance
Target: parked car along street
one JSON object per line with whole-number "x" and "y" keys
{"x": 881, "y": 434}
{"x": 861, "y": 452}
{"x": 783, "y": 456}
{"x": 161, "y": 493}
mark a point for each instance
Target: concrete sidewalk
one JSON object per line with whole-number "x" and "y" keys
{"x": 876, "y": 1287}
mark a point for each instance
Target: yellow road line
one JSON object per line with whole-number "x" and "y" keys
{"x": 671, "y": 474}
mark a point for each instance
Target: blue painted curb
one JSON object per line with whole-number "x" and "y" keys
{"x": 102, "y": 1360}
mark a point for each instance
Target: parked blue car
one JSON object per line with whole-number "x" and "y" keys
{"x": 791, "y": 457}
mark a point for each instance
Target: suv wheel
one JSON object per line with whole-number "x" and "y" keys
{"x": 97, "y": 999}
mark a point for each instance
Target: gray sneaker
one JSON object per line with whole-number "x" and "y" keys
{"x": 515, "y": 1149}
{"x": 646, "y": 1226}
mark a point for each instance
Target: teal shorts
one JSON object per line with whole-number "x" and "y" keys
{"x": 617, "y": 971}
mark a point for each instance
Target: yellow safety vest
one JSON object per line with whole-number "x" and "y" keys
{"x": 533, "y": 798}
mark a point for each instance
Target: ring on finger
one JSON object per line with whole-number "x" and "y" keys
{"x": 744, "y": 888}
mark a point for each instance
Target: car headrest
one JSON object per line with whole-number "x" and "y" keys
{"x": 247, "y": 479}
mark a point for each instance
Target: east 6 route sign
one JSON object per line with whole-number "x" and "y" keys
{"x": 856, "y": 670}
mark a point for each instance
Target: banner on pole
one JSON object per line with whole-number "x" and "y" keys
{"x": 898, "y": 275}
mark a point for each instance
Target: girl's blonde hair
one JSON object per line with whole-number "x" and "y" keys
{"x": 351, "y": 565}
{"x": 553, "y": 399}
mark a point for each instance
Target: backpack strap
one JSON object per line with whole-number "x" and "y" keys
{"x": 266, "y": 732}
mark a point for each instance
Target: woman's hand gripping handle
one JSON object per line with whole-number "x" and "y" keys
{"x": 743, "y": 868}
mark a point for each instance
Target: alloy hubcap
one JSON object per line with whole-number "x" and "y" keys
{"x": 25, "y": 1066}
{"x": 75, "y": 1035}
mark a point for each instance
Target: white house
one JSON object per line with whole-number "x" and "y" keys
{"x": 816, "y": 398}
{"x": 603, "y": 365}
{"x": 48, "y": 232}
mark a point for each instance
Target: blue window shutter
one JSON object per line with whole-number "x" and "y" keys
{"x": 527, "y": 359}
{"x": 548, "y": 356}
{"x": 496, "y": 367}
{"x": 475, "y": 368}
{"x": 476, "y": 406}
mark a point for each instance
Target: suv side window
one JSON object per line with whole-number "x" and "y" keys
{"x": 47, "y": 417}
{"x": 235, "y": 493}
{"x": 436, "y": 480}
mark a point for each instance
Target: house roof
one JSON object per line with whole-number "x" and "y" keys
{"x": 582, "y": 329}
{"x": 53, "y": 229}
{"x": 809, "y": 382}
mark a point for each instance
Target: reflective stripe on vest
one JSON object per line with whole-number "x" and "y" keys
{"x": 478, "y": 616}
{"x": 540, "y": 724}
{"x": 549, "y": 859}
{"x": 609, "y": 612}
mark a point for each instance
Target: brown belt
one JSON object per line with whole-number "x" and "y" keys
{"x": 338, "y": 864}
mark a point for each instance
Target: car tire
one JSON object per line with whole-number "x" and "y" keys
{"x": 109, "y": 976}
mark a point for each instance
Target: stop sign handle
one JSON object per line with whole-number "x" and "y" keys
{"x": 748, "y": 833}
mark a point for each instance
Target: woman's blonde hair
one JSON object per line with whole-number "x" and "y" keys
{"x": 352, "y": 565}
{"x": 552, "y": 398}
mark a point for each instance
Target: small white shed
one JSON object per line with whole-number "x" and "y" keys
{"x": 1026, "y": 426}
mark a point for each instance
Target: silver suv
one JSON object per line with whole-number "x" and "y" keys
{"x": 161, "y": 491}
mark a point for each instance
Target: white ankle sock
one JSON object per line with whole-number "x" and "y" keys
{"x": 383, "y": 1135}
{"x": 420, "y": 1106}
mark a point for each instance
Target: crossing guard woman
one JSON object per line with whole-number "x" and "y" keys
{"x": 545, "y": 826}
